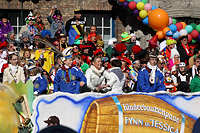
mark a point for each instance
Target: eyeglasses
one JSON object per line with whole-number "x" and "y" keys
{"x": 14, "y": 59}
{"x": 134, "y": 40}
{"x": 39, "y": 17}
{"x": 75, "y": 48}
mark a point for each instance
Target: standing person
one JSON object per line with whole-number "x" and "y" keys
{"x": 38, "y": 23}
{"x": 93, "y": 29}
{"x": 96, "y": 74}
{"x": 193, "y": 71}
{"x": 163, "y": 43}
{"x": 57, "y": 26}
{"x": 111, "y": 44}
{"x": 69, "y": 79}
{"x": 150, "y": 79}
{"x": 134, "y": 71}
{"x": 25, "y": 41}
{"x": 5, "y": 26}
{"x": 71, "y": 28}
{"x": 30, "y": 20}
{"x": 183, "y": 49}
{"x": 13, "y": 72}
{"x": 62, "y": 38}
{"x": 194, "y": 85}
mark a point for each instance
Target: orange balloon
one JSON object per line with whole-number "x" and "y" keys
{"x": 160, "y": 34}
{"x": 121, "y": 0}
{"x": 139, "y": 18}
{"x": 158, "y": 19}
{"x": 165, "y": 30}
{"x": 148, "y": 13}
{"x": 184, "y": 24}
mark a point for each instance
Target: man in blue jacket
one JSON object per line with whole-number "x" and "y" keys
{"x": 150, "y": 79}
{"x": 68, "y": 78}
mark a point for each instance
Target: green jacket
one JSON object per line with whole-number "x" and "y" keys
{"x": 195, "y": 84}
{"x": 109, "y": 51}
{"x": 129, "y": 48}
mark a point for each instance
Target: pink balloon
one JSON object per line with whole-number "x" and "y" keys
{"x": 170, "y": 21}
{"x": 147, "y": 7}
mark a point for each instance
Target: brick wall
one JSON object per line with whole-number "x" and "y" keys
{"x": 66, "y": 7}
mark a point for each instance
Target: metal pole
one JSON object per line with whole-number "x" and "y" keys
{"x": 21, "y": 23}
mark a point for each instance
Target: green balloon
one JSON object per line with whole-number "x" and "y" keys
{"x": 198, "y": 28}
{"x": 129, "y": 10}
{"x": 144, "y": 1}
{"x": 129, "y": 0}
{"x": 193, "y": 25}
{"x": 174, "y": 21}
{"x": 193, "y": 41}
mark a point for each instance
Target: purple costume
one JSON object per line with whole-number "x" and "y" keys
{"x": 4, "y": 30}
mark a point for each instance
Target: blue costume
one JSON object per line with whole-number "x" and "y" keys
{"x": 143, "y": 84}
{"x": 71, "y": 84}
{"x": 40, "y": 85}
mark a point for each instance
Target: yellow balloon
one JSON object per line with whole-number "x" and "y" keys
{"x": 143, "y": 14}
{"x": 140, "y": 5}
{"x": 184, "y": 24}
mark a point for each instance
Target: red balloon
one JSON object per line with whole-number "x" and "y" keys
{"x": 179, "y": 26}
{"x": 194, "y": 34}
{"x": 132, "y": 5}
{"x": 189, "y": 38}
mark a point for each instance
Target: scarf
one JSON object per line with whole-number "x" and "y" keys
{"x": 98, "y": 72}
{"x": 13, "y": 69}
{"x": 32, "y": 78}
{"x": 186, "y": 48}
{"x": 153, "y": 73}
{"x": 66, "y": 68}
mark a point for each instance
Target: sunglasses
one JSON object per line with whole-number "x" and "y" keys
{"x": 114, "y": 42}
{"x": 75, "y": 48}
{"x": 38, "y": 17}
{"x": 162, "y": 63}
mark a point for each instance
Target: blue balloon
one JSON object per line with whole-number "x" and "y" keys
{"x": 136, "y": 1}
{"x": 145, "y": 21}
{"x": 153, "y": 7}
{"x": 119, "y": 3}
{"x": 173, "y": 28}
{"x": 176, "y": 35}
{"x": 189, "y": 28}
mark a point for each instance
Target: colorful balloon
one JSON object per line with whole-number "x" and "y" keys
{"x": 125, "y": 5}
{"x": 145, "y": 21}
{"x": 137, "y": 1}
{"x": 139, "y": 18}
{"x": 184, "y": 24}
{"x": 174, "y": 21}
{"x": 145, "y": 1}
{"x": 170, "y": 21}
{"x": 160, "y": 34}
{"x": 189, "y": 28}
{"x": 147, "y": 7}
{"x": 179, "y": 26}
{"x": 183, "y": 32}
{"x": 140, "y": 5}
{"x": 153, "y": 7}
{"x": 132, "y": 5}
{"x": 121, "y": 0}
{"x": 198, "y": 38}
{"x": 193, "y": 41}
{"x": 189, "y": 38}
{"x": 194, "y": 34}
{"x": 129, "y": 0}
{"x": 193, "y": 26}
{"x": 176, "y": 35}
{"x": 173, "y": 28}
{"x": 143, "y": 14}
{"x": 198, "y": 28}
{"x": 158, "y": 19}
{"x": 135, "y": 12}
{"x": 165, "y": 30}
{"x": 148, "y": 13}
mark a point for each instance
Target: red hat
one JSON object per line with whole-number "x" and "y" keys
{"x": 74, "y": 62}
{"x": 98, "y": 52}
{"x": 90, "y": 35}
{"x": 127, "y": 60}
{"x": 3, "y": 44}
{"x": 85, "y": 47}
{"x": 154, "y": 40}
{"x": 136, "y": 49}
{"x": 78, "y": 36}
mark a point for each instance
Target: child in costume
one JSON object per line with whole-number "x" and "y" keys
{"x": 169, "y": 83}
{"x": 68, "y": 78}
{"x": 39, "y": 82}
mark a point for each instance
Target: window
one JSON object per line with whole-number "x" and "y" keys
{"x": 104, "y": 22}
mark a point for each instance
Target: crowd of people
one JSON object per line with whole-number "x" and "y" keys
{"x": 82, "y": 64}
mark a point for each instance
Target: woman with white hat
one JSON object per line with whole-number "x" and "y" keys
{"x": 111, "y": 44}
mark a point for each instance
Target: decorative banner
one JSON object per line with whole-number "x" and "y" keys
{"x": 117, "y": 113}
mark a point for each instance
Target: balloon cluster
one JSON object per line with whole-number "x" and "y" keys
{"x": 160, "y": 21}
